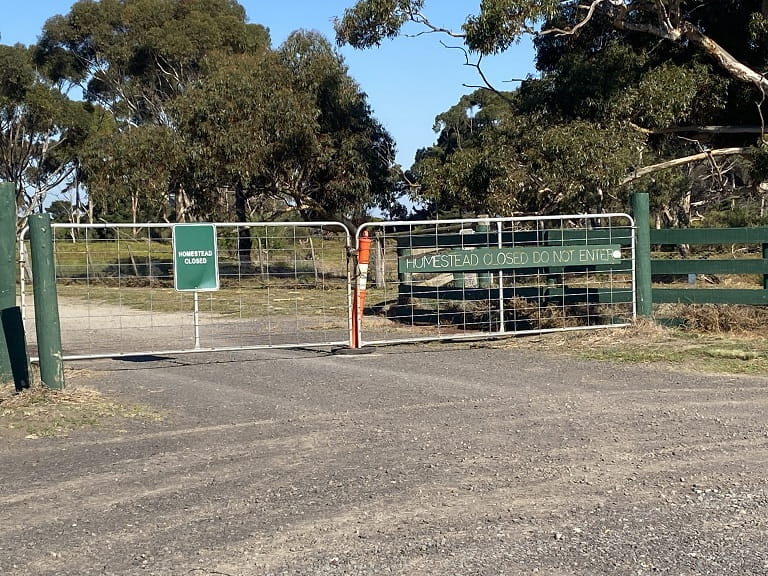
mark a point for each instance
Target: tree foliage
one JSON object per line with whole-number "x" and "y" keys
{"x": 631, "y": 95}
{"x": 290, "y": 125}
{"x": 201, "y": 111}
{"x": 39, "y": 129}
{"x": 129, "y": 172}
{"x": 133, "y": 56}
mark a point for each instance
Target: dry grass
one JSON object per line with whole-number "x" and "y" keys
{"x": 737, "y": 350}
{"x": 717, "y": 318}
{"x": 41, "y": 412}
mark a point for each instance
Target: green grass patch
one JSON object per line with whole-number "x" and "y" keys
{"x": 701, "y": 353}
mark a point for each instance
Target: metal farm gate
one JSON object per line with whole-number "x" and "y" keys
{"x": 490, "y": 277}
{"x": 281, "y": 284}
{"x": 290, "y": 284}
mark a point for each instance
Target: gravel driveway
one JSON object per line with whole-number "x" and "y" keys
{"x": 423, "y": 460}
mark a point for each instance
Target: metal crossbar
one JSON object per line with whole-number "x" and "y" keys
{"x": 282, "y": 285}
{"x": 492, "y": 277}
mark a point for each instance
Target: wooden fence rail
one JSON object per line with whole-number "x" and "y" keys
{"x": 722, "y": 266}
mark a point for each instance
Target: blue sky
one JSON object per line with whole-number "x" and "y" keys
{"x": 409, "y": 81}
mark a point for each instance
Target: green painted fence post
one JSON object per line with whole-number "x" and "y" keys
{"x": 46, "y": 301}
{"x": 641, "y": 214}
{"x": 13, "y": 330}
{"x": 765, "y": 257}
{"x": 7, "y": 267}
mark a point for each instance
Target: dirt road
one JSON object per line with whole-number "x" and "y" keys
{"x": 429, "y": 460}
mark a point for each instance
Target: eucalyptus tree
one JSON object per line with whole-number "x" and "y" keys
{"x": 128, "y": 172}
{"x": 501, "y": 23}
{"x": 494, "y": 156}
{"x": 289, "y": 125}
{"x": 134, "y": 58}
{"x": 349, "y": 168}
{"x": 631, "y": 95}
{"x": 40, "y": 128}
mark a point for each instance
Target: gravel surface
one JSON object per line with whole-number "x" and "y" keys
{"x": 423, "y": 460}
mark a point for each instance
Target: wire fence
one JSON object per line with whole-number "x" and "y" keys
{"x": 470, "y": 278}
{"x": 280, "y": 285}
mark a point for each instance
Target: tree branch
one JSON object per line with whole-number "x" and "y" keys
{"x": 583, "y": 22}
{"x": 419, "y": 18}
{"x": 700, "y": 129}
{"x": 670, "y": 26}
{"x": 487, "y": 84}
{"x": 708, "y": 155}
{"x": 724, "y": 58}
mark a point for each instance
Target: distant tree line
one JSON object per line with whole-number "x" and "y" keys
{"x": 187, "y": 113}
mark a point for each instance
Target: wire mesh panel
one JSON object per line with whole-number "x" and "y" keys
{"x": 280, "y": 285}
{"x": 472, "y": 278}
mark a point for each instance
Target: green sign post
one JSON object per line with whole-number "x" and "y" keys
{"x": 506, "y": 258}
{"x": 196, "y": 261}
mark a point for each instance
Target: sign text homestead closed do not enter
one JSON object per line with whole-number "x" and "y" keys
{"x": 506, "y": 258}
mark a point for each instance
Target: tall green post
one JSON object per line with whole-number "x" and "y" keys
{"x": 13, "y": 330}
{"x": 641, "y": 214}
{"x": 765, "y": 257}
{"x": 46, "y": 301}
{"x": 7, "y": 267}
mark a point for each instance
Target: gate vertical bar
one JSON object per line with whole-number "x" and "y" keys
{"x": 47, "y": 321}
{"x": 484, "y": 278}
{"x": 7, "y": 266}
{"x": 197, "y": 321}
{"x": 499, "y": 244}
{"x": 641, "y": 213}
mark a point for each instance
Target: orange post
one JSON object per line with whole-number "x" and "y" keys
{"x": 358, "y": 304}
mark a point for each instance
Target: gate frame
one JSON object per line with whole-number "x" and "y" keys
{"x": 363, "y": 229}
{"x": 24, "y": 260}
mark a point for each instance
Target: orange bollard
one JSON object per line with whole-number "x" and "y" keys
{"x": 358, "y": 300}
{"x": 363, "y": 257}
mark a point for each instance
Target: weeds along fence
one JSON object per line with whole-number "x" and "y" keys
{"x": 281, "y": 284}
{"x": 696, "y": 278}
{"x": 498, "y": 276}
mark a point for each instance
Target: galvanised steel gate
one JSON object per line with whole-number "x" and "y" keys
{"x": 282, "y": 284}
{"x": 491, "y": 277}
{"x": 290, "y": 284}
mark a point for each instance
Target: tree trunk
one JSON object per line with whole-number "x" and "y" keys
{"x": 181, "y": 205}
{"x": 244, "y": 241}
{"x": 134, "y": 211}
{"x": 378, "y": 242}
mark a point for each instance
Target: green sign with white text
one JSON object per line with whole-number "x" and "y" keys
{"x": 505, "y": 258}
{"x": 195, "y": 258}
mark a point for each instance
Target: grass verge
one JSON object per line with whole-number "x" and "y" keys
{"x": 41, "y": 412}
{"x": 733, "y": 352}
